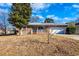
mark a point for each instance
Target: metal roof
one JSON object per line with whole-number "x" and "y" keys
{"x": 45, "y": 24}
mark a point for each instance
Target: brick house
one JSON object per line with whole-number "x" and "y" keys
{"x": 40, "y": 28}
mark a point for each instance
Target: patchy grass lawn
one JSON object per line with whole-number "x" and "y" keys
{"x": 36, "y": 45}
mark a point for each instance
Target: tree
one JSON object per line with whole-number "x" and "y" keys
{"x": 1, "y": 26}
{"x": 4, "y": 17}
{"x": 49, "y": 20}
{"x": 71, "y": 28}
{"x": 71, "y": 24}
{"x": 20, "y": 15}
{"x": 1, "y": 29}
{"x": 77, "y": 20}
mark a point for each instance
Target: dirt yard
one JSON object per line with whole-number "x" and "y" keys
{"x": 36, "y": 45}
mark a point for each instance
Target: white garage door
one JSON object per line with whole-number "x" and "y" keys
{"x": 57, "y": 30}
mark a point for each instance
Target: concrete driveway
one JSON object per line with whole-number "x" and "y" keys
{"x": 76, "y": 37}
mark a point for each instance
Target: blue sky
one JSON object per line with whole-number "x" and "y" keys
{"x": 60, "y": 12}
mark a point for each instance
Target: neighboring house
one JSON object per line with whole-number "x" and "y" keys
{"x": 10, "y": 31}
{"x": 40, "y": 28}
{"x": 1, "y": 32}
{"x": 1, "y": 29}
{"x": 77, "y": 28}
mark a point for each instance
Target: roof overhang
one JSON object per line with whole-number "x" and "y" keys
{"x": 46, "y": 24}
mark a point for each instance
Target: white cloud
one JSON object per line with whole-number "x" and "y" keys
{"x": 53, "y": 17}
{"x": 5, "y": 4}
{"x": 39, "y": 6}
{"x": 61, "y": 3}
{"x": 3, "y": 10}
{"x": 2, "y": 4}
{"x": 9, "y": 4}
{"x": 41, "y": 17}
{"x": 67, "y": 7}
{"x": 5, "y": 7}
{"x": 46, "y": 10}
{"x": 75, "y": 6}
{"x": 61, "y": 20}
{"x": 67, "y": 19}
{"x": 56, "y": 18}
{"x": 50, "y": 16}
{"x": 37, "y": 18}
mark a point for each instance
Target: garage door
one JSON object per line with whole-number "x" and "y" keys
{"x": 57, "y": 30}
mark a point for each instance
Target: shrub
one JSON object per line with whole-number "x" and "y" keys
{"x": 71, "y": 30}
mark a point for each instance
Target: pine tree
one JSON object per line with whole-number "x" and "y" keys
{"x": 19, "y": 15}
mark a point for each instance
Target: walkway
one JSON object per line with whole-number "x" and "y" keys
{"x": 76, "y": 37}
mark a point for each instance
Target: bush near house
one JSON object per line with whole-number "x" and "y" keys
{"x": 70, "y": 30}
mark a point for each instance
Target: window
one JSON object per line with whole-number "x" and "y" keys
{"x": 40, "y": 29}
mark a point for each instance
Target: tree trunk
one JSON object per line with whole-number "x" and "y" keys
{"x": 20, "y": 31}
{"x": 5, "y": 31}
{"x": 48, "y": 35}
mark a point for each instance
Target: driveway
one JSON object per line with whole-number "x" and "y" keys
{"x": 76, "y": 37}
